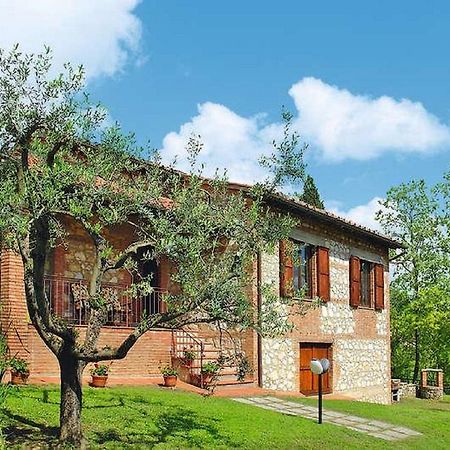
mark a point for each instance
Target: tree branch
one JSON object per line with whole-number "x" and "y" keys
{"x": 128, "y": 252}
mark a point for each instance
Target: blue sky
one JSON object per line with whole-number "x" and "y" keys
{"x": 368, "y": 82}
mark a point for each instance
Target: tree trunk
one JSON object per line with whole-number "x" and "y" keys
{"x": 417, "y": 357}
{"x": 71, "y": 401}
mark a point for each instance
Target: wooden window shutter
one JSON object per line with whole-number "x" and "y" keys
{"x": 355, "y": 281}
{"x": 286, "y": 269}
{"x": 379, "y": 286}
{"x": 323, "y": 273}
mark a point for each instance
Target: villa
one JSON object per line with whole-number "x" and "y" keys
{"x": 342, "y": 263}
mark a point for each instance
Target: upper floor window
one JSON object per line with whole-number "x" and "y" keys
{"x": 303, "y": 265}
{"x": 304, "y": 270}
{"x": 366, "y": 283}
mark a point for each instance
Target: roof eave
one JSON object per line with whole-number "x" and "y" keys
{"x": 327, "y": 219}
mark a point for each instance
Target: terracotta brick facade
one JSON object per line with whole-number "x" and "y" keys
{"x": 145, "y": 359}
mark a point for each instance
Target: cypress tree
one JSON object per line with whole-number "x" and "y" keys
{"x": 311, "y": 193}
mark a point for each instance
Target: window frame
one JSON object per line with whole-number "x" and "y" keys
{"x": 298, "y": 265}
{"x": 369, "y": 290}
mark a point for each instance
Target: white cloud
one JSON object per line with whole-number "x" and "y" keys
{"x": 230, "y": 142}
{"x": 344, "y": 125}
{"x": 338, "y": 124}
{"x": 361, "y": 214}
{"x": 100, "y": 34}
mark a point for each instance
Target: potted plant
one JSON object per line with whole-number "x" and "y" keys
{"x": 170, "y": 375}
{"x": 188, "y": 357}
{"x": 19, "y": 370}
{"x": 99, "y": 374}
{"x": 209, "y": 371}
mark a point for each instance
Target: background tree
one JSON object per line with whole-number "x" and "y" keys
{"x": 311, "y": 194}
{"x": 420, "y": 296}
{"x": 59, "y": 163}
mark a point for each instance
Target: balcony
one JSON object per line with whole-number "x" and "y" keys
{"x": 68, "y": 299}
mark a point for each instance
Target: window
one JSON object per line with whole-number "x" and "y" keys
{"x": 302, "y": 264}
{"x": 366, "y": 291}
{"x": 366, "y": 284}
{"x": 304, "y": 270}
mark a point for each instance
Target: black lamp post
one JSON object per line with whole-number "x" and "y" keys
{"x": 319, "y": 367}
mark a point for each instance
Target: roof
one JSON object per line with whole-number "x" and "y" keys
{"x": 298, "y": 206}
{"x": 327, "y": 218}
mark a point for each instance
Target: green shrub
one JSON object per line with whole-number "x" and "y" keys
{"x": 169, "y": 371}
{"x": 100, "y": 370}
{"x": 210, "y": 368}
{"x": 18, "y": 365}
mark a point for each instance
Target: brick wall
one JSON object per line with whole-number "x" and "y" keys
{"x": 149, "y": 354}
{"x": 13, "y": 310}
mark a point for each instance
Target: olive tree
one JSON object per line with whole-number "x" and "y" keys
{"x": 59, "y": 161}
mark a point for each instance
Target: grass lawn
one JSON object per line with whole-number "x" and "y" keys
{"x": 151, "y": 417}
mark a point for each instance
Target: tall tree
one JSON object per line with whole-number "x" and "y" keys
{"x": 59, "y": 163}
{"x": 418, "y": 217}
{"x": 311, "y": 194}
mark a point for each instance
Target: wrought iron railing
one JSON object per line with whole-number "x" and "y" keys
{"x": 183, "y": 341}
{"x": 69, "y": 300}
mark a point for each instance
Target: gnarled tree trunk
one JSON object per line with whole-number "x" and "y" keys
{"x": 71, "y": 399}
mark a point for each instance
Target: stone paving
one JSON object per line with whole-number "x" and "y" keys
{"x": 376, "y": 428}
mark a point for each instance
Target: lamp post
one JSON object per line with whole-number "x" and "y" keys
{"x": 319, "y": 367}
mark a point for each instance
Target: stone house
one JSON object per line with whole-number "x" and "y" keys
{"x": 344, "y": 264}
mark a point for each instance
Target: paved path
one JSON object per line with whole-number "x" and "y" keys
{"x": 370, "y": 427}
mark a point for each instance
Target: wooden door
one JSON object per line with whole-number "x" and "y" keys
{"x": 309, "y": 383}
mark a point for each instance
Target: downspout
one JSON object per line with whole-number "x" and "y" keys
{"x": 259, "y": 303}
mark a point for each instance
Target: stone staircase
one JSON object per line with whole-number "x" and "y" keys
{"x": 207, "y": 350}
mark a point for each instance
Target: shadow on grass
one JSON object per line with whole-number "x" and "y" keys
{"x": 22, "y": 431}
{"x": 178, "y": 426}
{"x": 175, "y": 426}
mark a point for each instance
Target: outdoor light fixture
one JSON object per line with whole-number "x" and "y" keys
{"x": 319, "y": 367}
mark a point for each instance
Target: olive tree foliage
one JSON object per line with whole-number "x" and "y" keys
{"x": 59, "y": 162}
{"x": 418, "y": 216}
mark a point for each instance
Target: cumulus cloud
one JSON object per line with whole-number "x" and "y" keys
{"x": 344, "y": 125}
{"x": 339, "y": 125}
{"x": 100, "y": 34}
{"x": 230, "y": 142}
{"x": 361, "y": 214}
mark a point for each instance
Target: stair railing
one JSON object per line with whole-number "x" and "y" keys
{"x": 181, "y": 340}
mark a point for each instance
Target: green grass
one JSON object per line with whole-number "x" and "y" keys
{"x": 151, "y": 417}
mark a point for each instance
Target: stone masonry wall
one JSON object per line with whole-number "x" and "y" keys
{"x": 277, "y": 355}
{"x": 359, "y": 337}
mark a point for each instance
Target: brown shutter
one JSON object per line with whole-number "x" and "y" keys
{"x": 286, "y": 269}
{"x": 379, "y": 286}
{"x": 323, "y": 273}
{"x": 355, "y": 281}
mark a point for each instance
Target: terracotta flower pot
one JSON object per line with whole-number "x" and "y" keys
{"x": 98, "y": 381}
{"x": 170, "y": 380}
{"x": 19, "y": 378}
